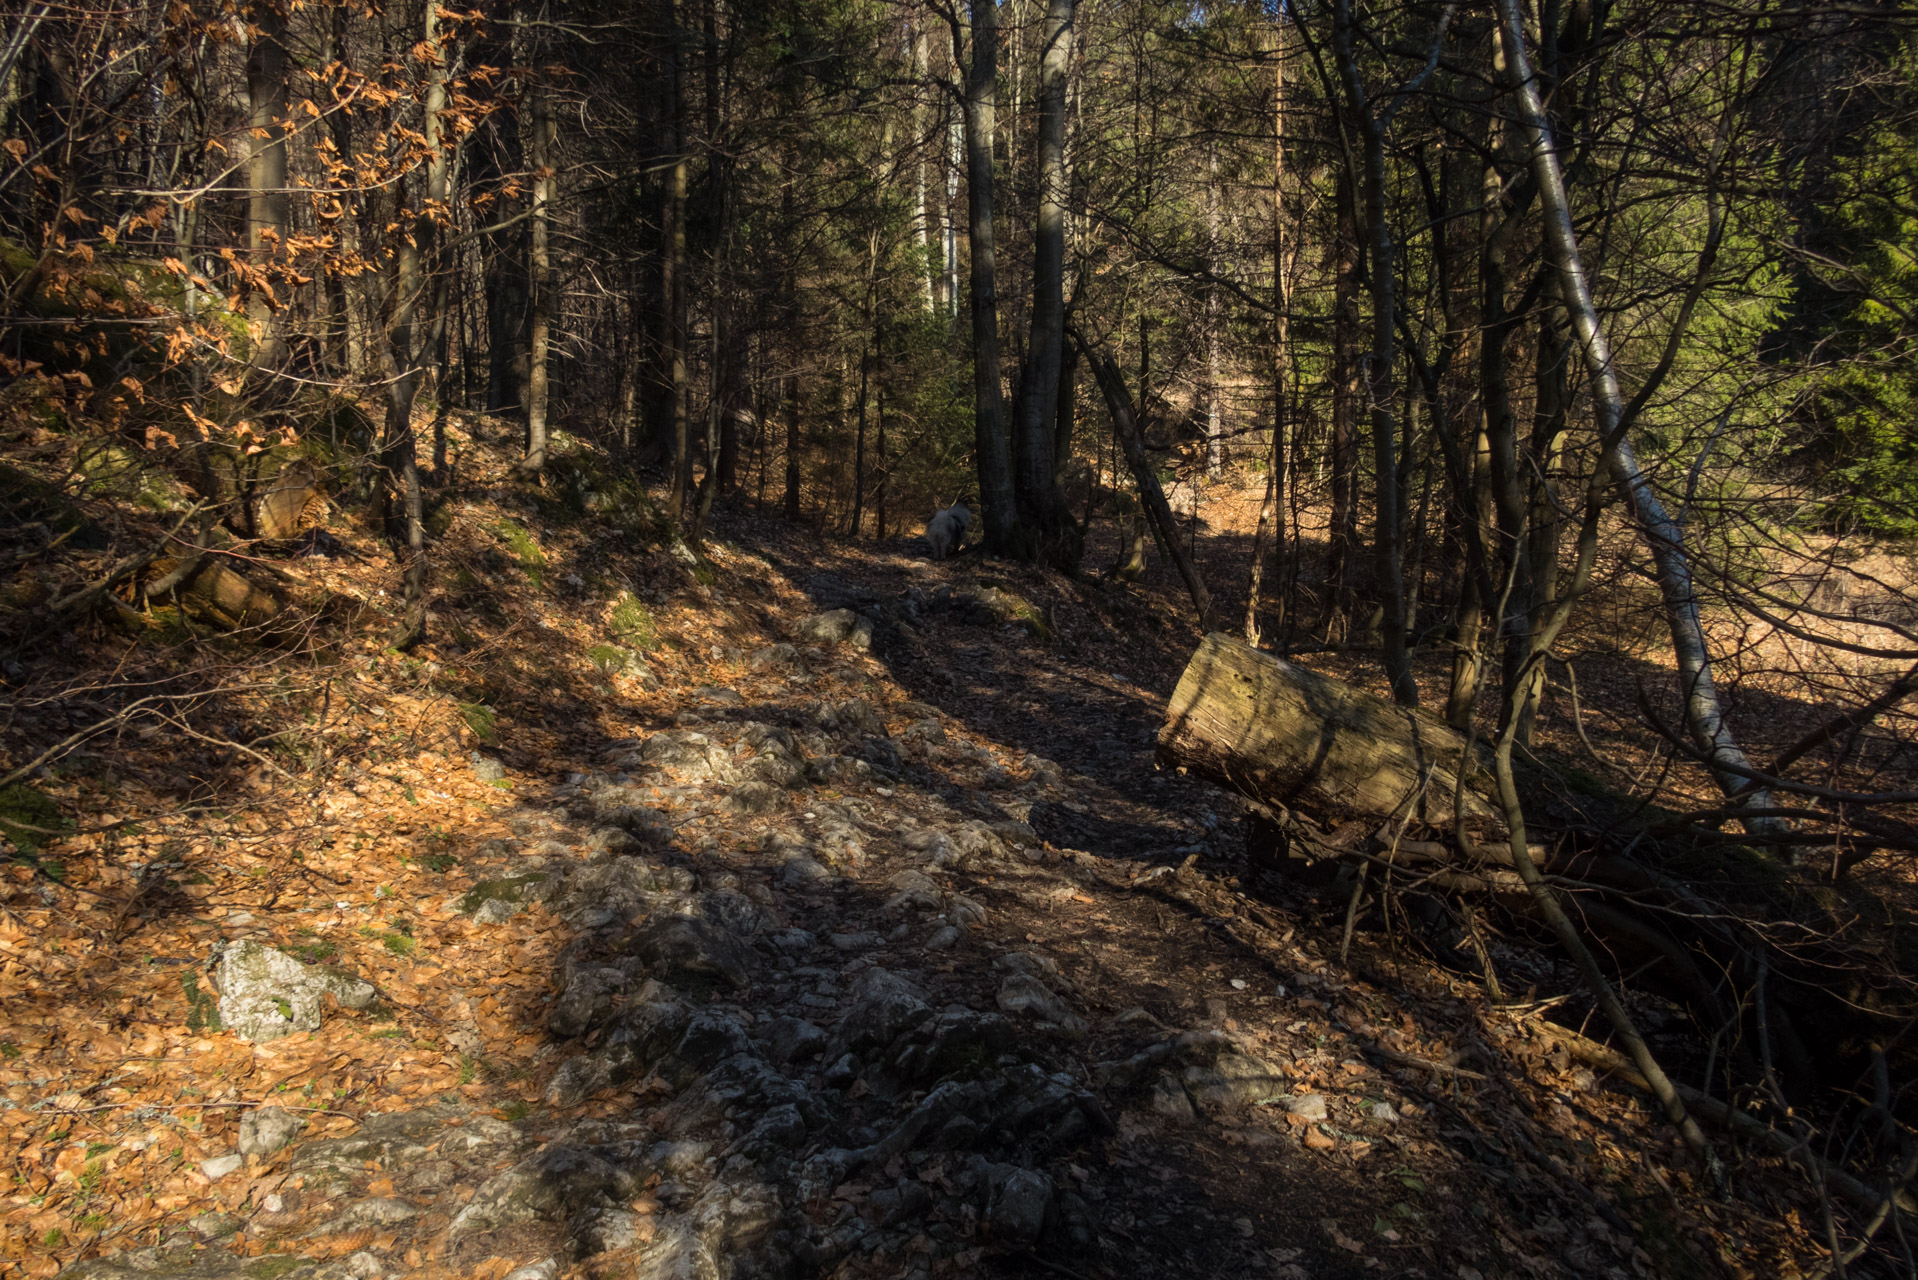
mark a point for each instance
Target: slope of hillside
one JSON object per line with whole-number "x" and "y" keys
{"x": 793, "y": 908}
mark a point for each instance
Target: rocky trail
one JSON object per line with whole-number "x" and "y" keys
{"x": 885, "y": 952}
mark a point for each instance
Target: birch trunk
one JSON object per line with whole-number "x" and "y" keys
{"x": 1664, "y": 536}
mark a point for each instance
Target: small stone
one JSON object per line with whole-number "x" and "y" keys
{"x": 1017, "y": 1211}
{"x": 864, "y": 940}
{"x": 1023, "y": 993}
{"x": 792, "y": 942}
{"x": 944, "y": 938}
{"x": 790, "y": 1040}
{"x": 219, "y": 1166}
{"x": 752, "y": 797}
{"x": 544, "y": 1269}
{"x": 214, "y": 1226}
{"x": 365, "y": 1266}
{"x": 717, "y": 697}
{"x": 835, "y": 626}
{"x": 1384, "y": 1113}
{"x": 487, "y": 769}
{"x": 1309, "y": 1107}
{"x": 774, "y": 657}
{"x": 800, "y": 871}
{"x": 265, "y": 1130}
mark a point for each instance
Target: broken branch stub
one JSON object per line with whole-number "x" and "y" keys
{"x": 1285, "y": 736}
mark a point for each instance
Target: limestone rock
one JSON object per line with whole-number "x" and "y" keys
{"x": 220, "y": 1166}
{"x": 884, "y": 1004}
{"x": 266, "y": 994}
{"x": 839, "y": 771}
{"x": 688, "y": 947}
{"x": 559, "y": 1179}
{"x": 497, "y": 901}
{"x": 836, "y": 626}
{"x": 1023, "y": 993}
{"x": 790, "y": 1040}
{"x": 774, "y": 657}
{"x": 753, "y": 797}
{"x": 487, "y": 769}
{"x": 1016, "y": 1212}
{"x": 265, "y": 1130}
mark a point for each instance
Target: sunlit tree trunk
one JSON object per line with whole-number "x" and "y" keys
{"x": 266, "y": 210}
{"x": 1664, "y": 536}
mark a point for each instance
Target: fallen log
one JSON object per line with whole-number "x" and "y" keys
{"x": 1285, "y": 736}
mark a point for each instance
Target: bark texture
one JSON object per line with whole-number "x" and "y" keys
{"x": 993, "y": 457}
{"x": 1287, "y": 736}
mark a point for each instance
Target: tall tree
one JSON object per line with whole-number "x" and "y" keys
{"x": 991, "y": 455}
{"x": 1046, "y": 526}
{"x": 267, "y": 198}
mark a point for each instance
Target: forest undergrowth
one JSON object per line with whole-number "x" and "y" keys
{"x": 296, "y": 783}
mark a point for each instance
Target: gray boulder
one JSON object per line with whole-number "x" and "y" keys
{"x": 266, "y": 994}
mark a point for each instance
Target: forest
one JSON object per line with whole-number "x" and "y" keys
{"x": 865, "y": 638}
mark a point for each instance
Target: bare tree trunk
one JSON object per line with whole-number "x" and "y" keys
{"x": 791, "y": 397}
{"x": 1343, "y": 536}
{"x": 1664, "y": 536}
{"x": 996, "y": 497}
{"x": 676, "y": 291}
{"x": 1041, "y": 508}
{"x": 1065, "y": 412}
{"x": 885, "y": 467}
{"x": 1125, "y": 424}
{"x": 1214, "y": 417}
{"x": 415, "y": 260}
{"x": 266, "y": 206}
{"x": 540, "y": 270}
{"x": 1275, "y": 486}
{"x": 1389, "y": 527}
{"x": 921, "y": 211}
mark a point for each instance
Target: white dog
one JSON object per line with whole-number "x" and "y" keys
{"x": 946, "y": 531}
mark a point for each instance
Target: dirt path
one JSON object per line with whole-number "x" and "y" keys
{"x": 899, "y": 960}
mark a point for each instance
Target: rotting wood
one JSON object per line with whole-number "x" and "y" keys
{"x": 1284, "y": 735}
